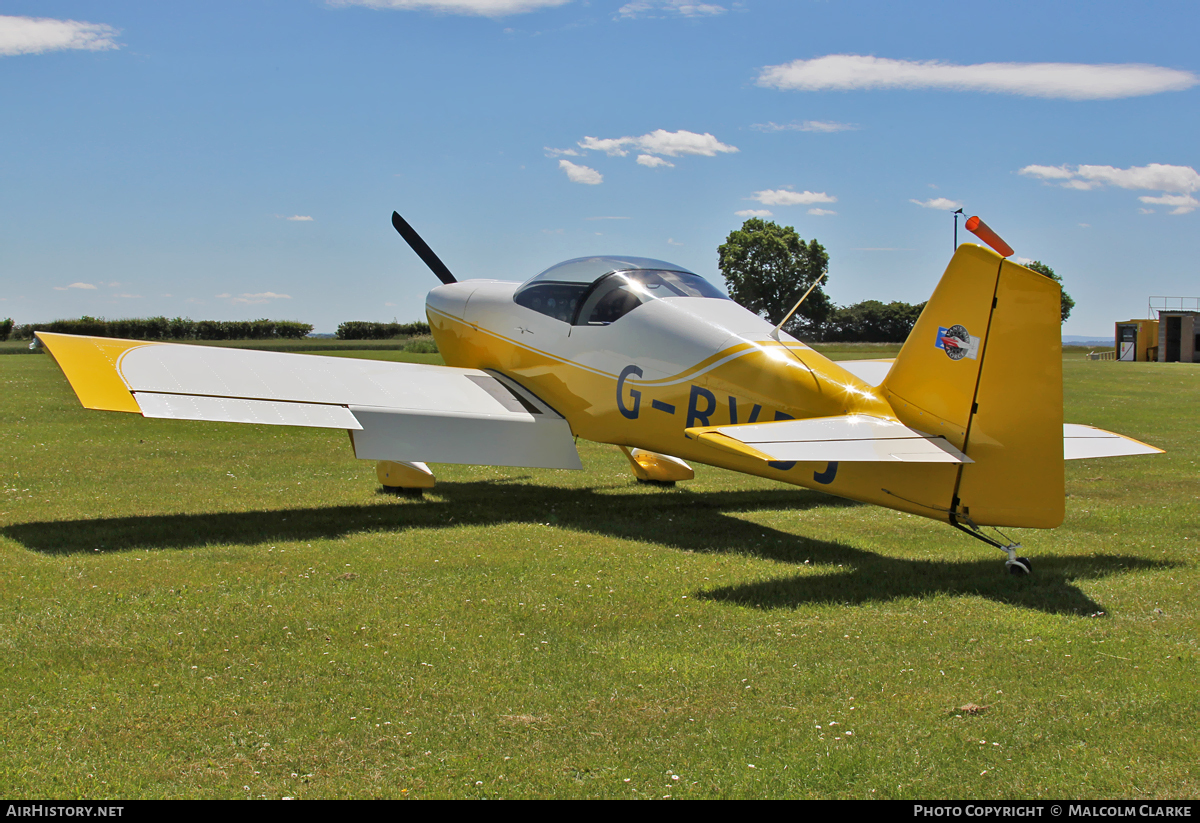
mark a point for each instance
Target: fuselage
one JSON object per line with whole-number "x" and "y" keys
{"x": 668, "y": 365}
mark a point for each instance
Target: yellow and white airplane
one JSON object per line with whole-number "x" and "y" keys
{"x": 964, "y": 426}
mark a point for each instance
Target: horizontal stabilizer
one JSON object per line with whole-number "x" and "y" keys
{"x": 1081, "y": 442}
{"x": 850, "y": 438}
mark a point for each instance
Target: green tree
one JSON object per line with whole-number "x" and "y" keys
{"x": 767, "y": 267}
{"x": 1067, "y": 303}
{"x": 871, "y": 322}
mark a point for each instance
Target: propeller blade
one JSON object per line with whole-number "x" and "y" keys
{"x": 422, "y": 249}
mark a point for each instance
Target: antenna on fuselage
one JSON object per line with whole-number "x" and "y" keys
{"x": 774, "y": 335}
{"x": 422, "y": 249}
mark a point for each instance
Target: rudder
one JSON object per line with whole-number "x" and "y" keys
{"x": 983, "y": 367}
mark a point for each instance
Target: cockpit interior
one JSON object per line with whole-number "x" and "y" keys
{"x": 597, "y": 291}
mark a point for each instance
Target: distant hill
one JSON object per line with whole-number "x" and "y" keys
{"x": 1085, "y": 340}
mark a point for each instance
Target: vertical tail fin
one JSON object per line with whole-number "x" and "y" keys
{"x": 983, "y": 367}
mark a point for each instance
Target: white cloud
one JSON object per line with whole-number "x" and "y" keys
{"x": 610, "y": 146}
{"x": 261, "y": 297}
{"x": 671, "y": 241}
{"x": 823, "y": 126}
{"x": 784, "y": 197}
{"x": 1183, "y": 203}
{"x": 34, "y": 35}
{"x": 652, "y": 147}
{"x": 1176, "y": 181}
{"x": 659, "y": 141}
{"x": 1049, "y": 172}
{"x": 252, "y": 299}
{"x": 660, "y": 8}
{"x": 483, "y": 8}
{"x": 675, "y": 143}
{"x": 636, "y": 9}
{"x": 653, "y": 162}
{"x": 560, "y": 152}
{"x": 581, "y": 174}
{"x": 1156, "y": 176}
{"x": 821, "y": 212}
{"x": 302, "y": 218}
{"x": 1070, "y": 81}
{"x": 943, "y": 203}
{"x": 753, "y": 213}
{"x": 75, "y": 286}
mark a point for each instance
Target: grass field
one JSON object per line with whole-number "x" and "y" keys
{"x": 213, "y": 610}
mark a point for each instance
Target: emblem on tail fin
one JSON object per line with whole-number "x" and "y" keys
{"x": 957, "y": 342}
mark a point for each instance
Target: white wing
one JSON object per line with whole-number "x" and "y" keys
{"x": 393, "y": 411}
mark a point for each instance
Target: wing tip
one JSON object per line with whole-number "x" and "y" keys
{"x": 90, "y": 366}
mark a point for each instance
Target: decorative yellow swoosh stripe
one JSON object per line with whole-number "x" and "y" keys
{"x": 91, "y": 367}
{"x": 691, "y": 373}
{"x": 721, "y": 358}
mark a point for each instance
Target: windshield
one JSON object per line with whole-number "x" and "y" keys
{"x": 596, "y": 291}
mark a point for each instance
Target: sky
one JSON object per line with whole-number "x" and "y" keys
{"x": 237, "y": 160}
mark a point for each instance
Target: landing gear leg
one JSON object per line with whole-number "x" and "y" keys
{"x": 1018, "y": 566}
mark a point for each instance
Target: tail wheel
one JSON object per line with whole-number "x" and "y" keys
{"x": 1019, "y": 566}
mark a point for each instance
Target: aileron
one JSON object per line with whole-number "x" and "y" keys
{"x": 238, "y": 410}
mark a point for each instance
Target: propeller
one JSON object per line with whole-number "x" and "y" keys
{"x": 422, "y": 249}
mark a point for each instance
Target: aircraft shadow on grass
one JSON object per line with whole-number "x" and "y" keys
{"x": 701, "y": 522}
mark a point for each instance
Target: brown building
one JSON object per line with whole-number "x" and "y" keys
{"x": 1179, "y": 337}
